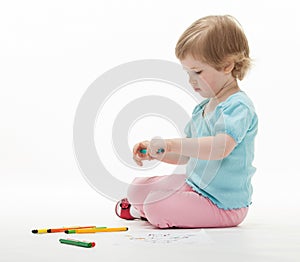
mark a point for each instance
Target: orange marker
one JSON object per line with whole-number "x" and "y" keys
{"x": 56, "y": 230}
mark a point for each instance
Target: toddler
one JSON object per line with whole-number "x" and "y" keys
{"x": 218, "y": 149}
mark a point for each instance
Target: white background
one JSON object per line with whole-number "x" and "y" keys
{"x": 51, "y": 51}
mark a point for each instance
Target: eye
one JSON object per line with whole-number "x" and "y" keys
{"x": 198, "y": 72}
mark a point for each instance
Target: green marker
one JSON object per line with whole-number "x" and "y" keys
{"x": 77, "y": 243}
{"x": 73, "y": 231}
{"x": 144, "y": 151}
{"x": 70, "y": 231}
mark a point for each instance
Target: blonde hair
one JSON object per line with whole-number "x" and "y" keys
{"x": 217, "y": 41}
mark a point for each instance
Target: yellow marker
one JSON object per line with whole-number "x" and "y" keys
{"x": 97, "y": 230}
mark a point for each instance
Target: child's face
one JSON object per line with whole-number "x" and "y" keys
{"x": 205, "y": 80}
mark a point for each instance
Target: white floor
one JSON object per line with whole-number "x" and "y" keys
{"x": 267, "y": 234}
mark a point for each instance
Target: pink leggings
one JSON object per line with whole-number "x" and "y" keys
{"x": 167, "y": 201}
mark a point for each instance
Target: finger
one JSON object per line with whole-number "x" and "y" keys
{"x": 140, "y": 158}
{"x": 135, "y": 149}
{"x": 143, "y": 145}
{"x": 137, "y": 157}
{"x": 139, "y": 146}
{"x": 137, "y": 161}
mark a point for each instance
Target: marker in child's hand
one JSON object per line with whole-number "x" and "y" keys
{"x": 160, "y": 150}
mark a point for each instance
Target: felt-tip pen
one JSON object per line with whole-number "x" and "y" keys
{"x": 74, "y": 230}
{"x": 160, "y": 150}
{"x": 96, "y": 230}
{"x": 57, "y": 230}
{"x": 77, "y": 243}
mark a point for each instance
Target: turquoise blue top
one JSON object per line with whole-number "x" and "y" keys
{"x": 226, "y": 182}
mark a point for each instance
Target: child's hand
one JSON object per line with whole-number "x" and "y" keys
{"x": 158, "y": 148}
{"x": 138, "y": 157}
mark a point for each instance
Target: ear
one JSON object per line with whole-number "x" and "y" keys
{"x": 229, "y": 67}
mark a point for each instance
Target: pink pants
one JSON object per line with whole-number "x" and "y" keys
{"x": 167, "y": 201}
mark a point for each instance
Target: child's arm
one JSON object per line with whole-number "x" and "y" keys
{"x": 171, "y": 158}
{"x": 206, "y": 148}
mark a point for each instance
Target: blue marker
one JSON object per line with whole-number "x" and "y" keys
{"x": 144, "y": 151}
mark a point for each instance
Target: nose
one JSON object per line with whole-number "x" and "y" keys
{"x": 192, "y": 81}
{"x": 192, "y": 78}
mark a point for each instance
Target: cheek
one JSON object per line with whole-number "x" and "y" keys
{"x": 213, "y": 80}
{"x": 207, "y": 82}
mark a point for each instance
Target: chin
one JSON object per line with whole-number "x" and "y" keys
{"x": 203, "y": 94}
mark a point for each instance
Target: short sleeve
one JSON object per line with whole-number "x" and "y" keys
{"x": 235, "y": 120}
